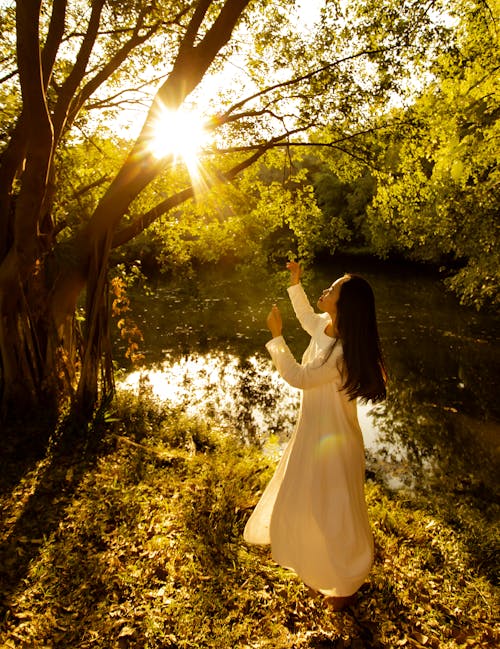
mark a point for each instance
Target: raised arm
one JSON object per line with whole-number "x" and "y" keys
{"x": 306, "y": 315}
{"x": 295, "y": 272}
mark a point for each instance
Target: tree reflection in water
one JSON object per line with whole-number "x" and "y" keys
{"x": 246, "y": 396}
{"x": 441, "y": 422}
{"x": 409, "y": 443}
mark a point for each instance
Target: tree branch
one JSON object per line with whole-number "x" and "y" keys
{"x": 192, "y": 62}
{"x": 8, "y": 76}
{"x": 139, "y": 169}
{"x": 304, "y": 77}
{"x": 29, "y": 63}
{"x": 113, "y": 64}
{"x": 115, "y": 100}
{"x": 141, "y": 222}
{"x": 76, "y": 75}
{"x": 54, "y": 39}
{"x": 194, "y": 25}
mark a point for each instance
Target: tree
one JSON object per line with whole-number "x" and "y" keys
{"x": 39, "y": 290}
{"x": 437, "y": 197}
{"x": 74, "y": 58}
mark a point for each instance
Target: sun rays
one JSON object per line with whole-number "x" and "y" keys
{"x": 181, "y": 135}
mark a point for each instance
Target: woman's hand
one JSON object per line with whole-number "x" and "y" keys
{"x": 295, "y": 272}
{"x": 274, "y": 321}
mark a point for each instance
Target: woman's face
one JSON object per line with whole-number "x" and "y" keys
{"x": 330, "y": 296}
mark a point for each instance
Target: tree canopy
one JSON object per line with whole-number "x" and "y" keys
{"x": 377, "y": 126}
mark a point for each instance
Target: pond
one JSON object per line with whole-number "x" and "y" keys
{"x": 204, "y": 351}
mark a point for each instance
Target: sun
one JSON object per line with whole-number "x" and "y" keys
{"x": 179, "y": 134}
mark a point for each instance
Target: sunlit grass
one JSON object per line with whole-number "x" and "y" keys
{"x": 147, "y": 552}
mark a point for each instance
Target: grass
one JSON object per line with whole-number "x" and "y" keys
{"x": 137, "y": 543}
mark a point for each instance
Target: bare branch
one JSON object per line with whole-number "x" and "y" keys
{"x": 194, "y": 25}
{"x": 8, "y": 76}
{"x": 113, "y": 100}
{"x": 54, "y": 39}
{"x": 113, "y": 64}
{"x": 304, "y": 77}
{"x": 192, "y": 62}
{"x": 76, "y": 75}
{"x": 86, "y": 188}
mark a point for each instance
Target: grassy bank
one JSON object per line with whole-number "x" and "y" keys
{"x": 137, "y": 543}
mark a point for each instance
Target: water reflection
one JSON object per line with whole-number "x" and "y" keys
{"x": 249, "y": 397}
{"x": 242, "y": 395}
{"x": 204, "y": 345}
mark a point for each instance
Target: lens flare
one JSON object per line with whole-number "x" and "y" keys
{"x": 179, "y": 133}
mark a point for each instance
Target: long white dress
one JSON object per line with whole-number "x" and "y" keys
{"x": 313, "y": 511}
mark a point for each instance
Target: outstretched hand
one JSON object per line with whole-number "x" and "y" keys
{"x": 274, "y": 321}
{"x": 295, "y": 272}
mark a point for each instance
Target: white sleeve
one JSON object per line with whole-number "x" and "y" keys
{"x": 317, "y": 372}
{"x": 309, "y": 320}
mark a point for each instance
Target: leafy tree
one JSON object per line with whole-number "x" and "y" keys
{"x": 344, "y": 205}
{"x": 68, "y": 55}
{"x": 71, "y": 191}
{"x": 437, "y": 197}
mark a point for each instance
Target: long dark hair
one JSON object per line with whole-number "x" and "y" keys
{"x": 364, "y": 370}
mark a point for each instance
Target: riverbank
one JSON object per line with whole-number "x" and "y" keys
{"x": 136, "y": 542}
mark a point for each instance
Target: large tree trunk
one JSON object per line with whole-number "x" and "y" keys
{"x": 23, "y": 321}
{"x": 44, "y": 361}
{"x": 139, "y": 169}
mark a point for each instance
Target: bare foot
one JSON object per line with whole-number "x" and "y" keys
{"x": 340, "y": 603}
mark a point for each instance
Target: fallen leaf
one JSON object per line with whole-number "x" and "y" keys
{"x": 126, "y": 632}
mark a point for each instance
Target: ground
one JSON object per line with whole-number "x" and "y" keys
{"x": 128, "y": 534}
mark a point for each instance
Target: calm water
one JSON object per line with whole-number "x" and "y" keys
{"x": 204, "y": 350}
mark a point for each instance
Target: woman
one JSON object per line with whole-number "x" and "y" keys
{"x": 313, "y": 512}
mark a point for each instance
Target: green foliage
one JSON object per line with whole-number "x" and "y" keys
{"x": 84, "y": 169}
{"x": 267, "y": 213}
{"x": 343, "y": 204}
{"x": 437, "y": 199}
{"x": 260, "y": 215}
{"x": 406, "y": 102}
